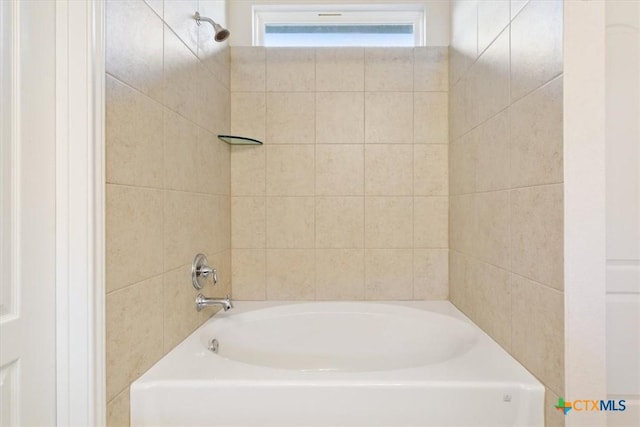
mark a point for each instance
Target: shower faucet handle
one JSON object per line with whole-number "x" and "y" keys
{"x": 200, "y": 271}
{"x": 207, "y": 271}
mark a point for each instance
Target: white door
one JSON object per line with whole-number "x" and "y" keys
{"x": 27, "y": 202}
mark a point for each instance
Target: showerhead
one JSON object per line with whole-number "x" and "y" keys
{"x": 221, "y": 33}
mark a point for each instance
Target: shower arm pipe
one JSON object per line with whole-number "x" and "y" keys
{"x": 199, "y": 18}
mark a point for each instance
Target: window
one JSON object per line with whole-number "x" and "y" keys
{"x": 348, "y": 25}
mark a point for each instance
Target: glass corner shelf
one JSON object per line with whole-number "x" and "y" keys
{"x": 239, "y": 140}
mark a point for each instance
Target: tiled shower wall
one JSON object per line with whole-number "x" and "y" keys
{"x": 506, "y": 179}
{"x": 348, "y": 197}
{"x": 168, "y": 180}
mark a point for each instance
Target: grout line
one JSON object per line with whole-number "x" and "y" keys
{"x": 551, "y": 80}
{"x": 164, "y": 107}
{"x": 129, "y": 285}
{"x": 480, "y": 260}
{"x": 172, "y": 190}
{"x": 511, "y": 103}
{"x": 502, "y": 189}
{"x": 119, "y": 393}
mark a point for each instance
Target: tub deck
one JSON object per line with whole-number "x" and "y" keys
{"x": 191, "y": 386}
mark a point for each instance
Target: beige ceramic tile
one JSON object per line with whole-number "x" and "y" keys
{"x": 463, "y": 164}
{"x": 388, "y": 69}
{"x": 430, "y": 170}
{"x": 221, "y": 261}
{"x": 214, "y": 55}
{"x": 552, "y": 417}
{"x": 340, "y": 274}
{"x": 248, "y": 69}
{"x": 388, "y": 170}
{"x": 248, "y": 171}
{"x": 214, "y": 111}
{"x": 181, "y": 77}
{"x": 134, "y": 43}
{"x": 249, "y": 115}
{"x": 538, "y": 330}
{"x": 248, "y": 222}
{"x": 133, "y": 137}
{"x": 179, "y": 317}
{"x": 461, "y": 282}
{"x": 133, "y": 336}
{"x": 388, "y": 274}
{"x": 339, "y": 69}
{"x": 249, "y": 274}
{"x": 430, "y": 222}
{"x": 537, "y": 234}
{"x": 536, "y": 46}
{"x": 178, "y": 14}
{"x": 339, "y": 222}
{"x": 489, "y": 80}
{"x": 133, "y": 235}
{"x": 215, "y": 177}
{"x": 389, "y": 117}
{"x": 290, "y": 222}
{"x": 291, "y": 69}
{"x": 431, "y": 69}
{"x": 456, "y": 110}
{"x": 118, "y": 410}
{"x": 462, "y": 223}
{"x": 340, "y": 170}
{"x": 217, "y": 211}
{"x": 492, "y": 302}
{"x": 291, "y": 118}
{"x": 340, "y": 117}
{"x": 388, "y": 222}
{"x": 187, "y": 161}
{"x": 493, "y": 222}
{"x": 290, "y": 170}
{"x": 157, "y": 6}
{"x": 493, "y": 17}
{"x": 492, "y": 162}
{"x": 431, "y": 274}
{"x": 463, "y": 112}
{"x": 536, "y": 153}
{"x": 219, "y": 166}
{"x": 290, "y": 274}
{"x": 456, "y": 285}
{"x": 190, "y": 226}
{"x": 430, "y": 117}
{"x": 516, "y": 6}
{"x": 464, "y": 37}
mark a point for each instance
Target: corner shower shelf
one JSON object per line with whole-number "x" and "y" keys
{"x": 239, "y": 140}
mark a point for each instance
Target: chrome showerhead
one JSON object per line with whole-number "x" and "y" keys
{"x": 221, "y": 33}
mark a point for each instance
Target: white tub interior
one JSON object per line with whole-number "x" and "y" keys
{"x": 340, "y": 337}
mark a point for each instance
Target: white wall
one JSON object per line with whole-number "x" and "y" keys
{"x": 623, "y": 205}
{"x": 241, "y": 18}
{"x": 584, "y": 195}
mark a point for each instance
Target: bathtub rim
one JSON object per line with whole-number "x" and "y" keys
{"x": 189, "y": 363}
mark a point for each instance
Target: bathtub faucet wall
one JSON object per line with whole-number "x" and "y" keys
{"x": 200, "y": 272}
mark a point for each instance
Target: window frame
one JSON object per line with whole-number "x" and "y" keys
{"x": 368, "y": 14}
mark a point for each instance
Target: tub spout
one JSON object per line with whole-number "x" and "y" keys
{"x": 202, "y": 301}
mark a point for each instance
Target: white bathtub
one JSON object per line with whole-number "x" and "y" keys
{"x": 338, "y": 364}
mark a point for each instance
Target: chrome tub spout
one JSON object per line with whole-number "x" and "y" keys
{"x": 202, "y": 301}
